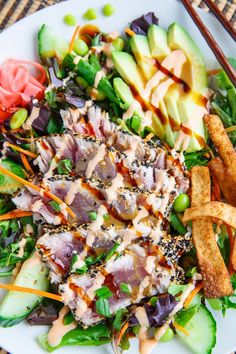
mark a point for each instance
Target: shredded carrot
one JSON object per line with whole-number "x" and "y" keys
{"x": 75, "y": 34}
{"x": 213, "y": 72}
{"x": 129, "y": 32}
{"x": 192, "y": 295}
{"x": 26, "y": 164}
{"x": 23, "y": 151}
{"x": 181, "y": 329}
{"x": 15, "y": 214}
{"x": 231, "y": 247}
{"x": 122, "y": 332}
{"x": 149, "y": 137}
{"x": 41, "y": 191}
{"x": 22, "y": 289}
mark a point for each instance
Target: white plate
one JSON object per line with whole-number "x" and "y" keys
{"x": 19, "y": 41}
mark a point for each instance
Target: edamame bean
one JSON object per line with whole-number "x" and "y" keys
{"x": 181, "y": 203}
{"x": 90, "y": 14}
{"x": 18, "y": 118}
{"x": 80, "y": 47}
{"x": 108, "y": 10}
{"x": 70, "y": 20}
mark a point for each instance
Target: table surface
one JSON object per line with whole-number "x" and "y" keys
{"x": 14, "y": 10}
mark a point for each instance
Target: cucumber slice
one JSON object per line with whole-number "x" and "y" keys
{"x": 202, "y": 332}
{"x": 16, "y": 305}
{"x": 9, "y": 185}
{"x": 50, "y": 44}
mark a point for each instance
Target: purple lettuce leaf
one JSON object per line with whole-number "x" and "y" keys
{"x": 140, "y": 25}
{"x": 40, "y": 123}
{"x": 158, "y": 314}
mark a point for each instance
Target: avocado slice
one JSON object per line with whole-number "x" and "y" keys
{"x": 157, "y": 38}
{"x": 186, "y": 107}
{"x": 50, "y": 44}
{"x": 169, "y": 135}
{"x": 128, "y": 69}
{"x": 178, "y": 38}
{"x": 140, "y": 47}
{"x": 171, "y": 101}
{"x": 123, "y": 91}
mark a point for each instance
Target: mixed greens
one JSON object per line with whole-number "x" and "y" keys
{"x": 151, "y": 84}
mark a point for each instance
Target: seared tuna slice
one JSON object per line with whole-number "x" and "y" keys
{"x": 87, "y": 243}
{"x": 84, "y": 196}
{"x": 130, "y": 276}
{"x": 139, "y": 162}
{"x": 73, "y": 192}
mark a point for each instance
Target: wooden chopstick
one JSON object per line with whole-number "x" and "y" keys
{"x": 216, "y": 11}
{"x": 230, "y": 71}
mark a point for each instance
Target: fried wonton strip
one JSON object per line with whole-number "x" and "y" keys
{"x": 224, "y": 180}
{"x": 222, "y": 143}
{"x": 215, "y": 276}
{"x": 218, "y": 210}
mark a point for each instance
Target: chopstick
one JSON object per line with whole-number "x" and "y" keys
{"x": 230, "y": 71}
{"x": 216, "y": 11}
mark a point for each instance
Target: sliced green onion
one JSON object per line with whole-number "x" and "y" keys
{"x": 108, "y": 10}
{"x": 102, "y": 307}
{"x": 55, "y": 206}
{"x": 74, "y": 259}
{"x": 82, "y": 270}
{"x": 92, "y": 215}
{"x": 104, "y": 292}
{"x": 106, "y": 217}
{"x": 64, "y": 167}
{"x": 112, "y": 251}
{"x": 18, "y": 118}
{"x": 80, "y": 47}
{"x": 70, "y": 20}
{"x": 90, "y": 14}
{"x": 125, "y": 288}
{"x": 153, "y": 301}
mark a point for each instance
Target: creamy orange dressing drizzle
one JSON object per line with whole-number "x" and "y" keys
{"x": 33, "y": 115}
{"x": 173, "y": 61}
{"x": 99, "y": 75}
{"x": 147, "y": 345}
{"x": 142, "y": 213}
{"x": 117, "y": 182}
{"x": 179, "y": 59}
{"x": 73, "y": 189}
{"x": 101, "y": 152}
{"x": 58, "y": 329}
{"x": 21, "y": 245}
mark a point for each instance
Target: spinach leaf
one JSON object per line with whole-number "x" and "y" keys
{"x": 184, "y": 316}
{"x": 198, "y": 158}
{"x": 96, "y": 335}
{"x": 10, "y": 233}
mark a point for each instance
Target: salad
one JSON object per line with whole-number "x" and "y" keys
{"x": 116, "y": 219}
